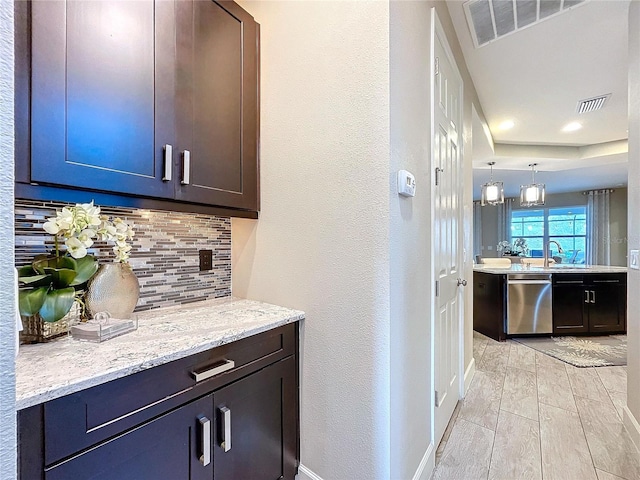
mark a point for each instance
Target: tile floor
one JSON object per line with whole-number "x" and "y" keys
{"x": 528, "y": 416}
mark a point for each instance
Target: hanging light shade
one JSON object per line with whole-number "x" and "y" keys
{"x": 532, "y": 194}
{"x": 492, "y": 192}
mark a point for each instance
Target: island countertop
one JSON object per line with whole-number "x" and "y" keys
{"x": 558, "y": 268}
{"x": 64, "y": 366}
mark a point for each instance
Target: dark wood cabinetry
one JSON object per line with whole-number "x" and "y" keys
{"x": 150, "y": 99}
{"x": 489, "y": 305}
{"x": 217, "y": 104}
{"x": 255, "y": 423}
{"x": 590, "y": 303}
{"x": 237, "y": 418}
{"x": 166, "y": 447}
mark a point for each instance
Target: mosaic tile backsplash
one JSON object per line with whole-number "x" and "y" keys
{"x": 165, "y": 253}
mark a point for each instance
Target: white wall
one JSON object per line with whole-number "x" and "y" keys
{"x": 410, "y": 31}
{"x": 632, "y": 415}
{"x": 7, "y": 325}
{"x": 322, "y": 241}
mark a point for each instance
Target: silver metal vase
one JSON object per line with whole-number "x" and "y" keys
{"x": 114, "y": 289}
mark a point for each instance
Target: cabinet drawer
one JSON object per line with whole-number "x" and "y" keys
{"x": 567, "y": 279}
{"x": 598, "y": 278}
{"x": 80, "y": 420}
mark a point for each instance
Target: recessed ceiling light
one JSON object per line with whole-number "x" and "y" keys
{"x": 572, "y": 127}
{"x": 506, "y": 125}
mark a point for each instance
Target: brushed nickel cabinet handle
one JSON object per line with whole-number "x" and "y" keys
{"x": 225, "y": 444}
{"x": 168, "y": 161}
{"x": 186, "y": 167}
{"x": 205, "y": 430}
{"x": 200, "y": 375}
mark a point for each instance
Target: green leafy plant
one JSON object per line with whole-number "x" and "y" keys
{"x": 51, "y": 284}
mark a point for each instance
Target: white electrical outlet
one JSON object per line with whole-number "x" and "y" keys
{"x": 633, "y": 259}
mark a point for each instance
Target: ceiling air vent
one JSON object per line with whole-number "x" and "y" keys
{"x": 592, "y": 104}
{"x": 490, "y": 20}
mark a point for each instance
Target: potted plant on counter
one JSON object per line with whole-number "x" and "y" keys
{"x": 51, "y": 288}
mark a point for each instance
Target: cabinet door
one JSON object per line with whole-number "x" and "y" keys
{"x": 217, "y": 104}
{"x": 607, "y": 308}
{"x": 102, "y": 94}
{"x": 256, "y": 425}
{"x": 168, "y": 447}
{"x": 569, "y": 304}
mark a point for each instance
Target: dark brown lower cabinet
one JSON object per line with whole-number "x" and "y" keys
{"x": 225, "y": 414}
{"x": 167, "y": 447}
{"x": 568, "y": 300}
{"x": 256, "y": 426}
{"x": 592, "y": 303}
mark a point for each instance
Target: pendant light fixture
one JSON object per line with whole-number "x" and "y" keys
{"x": 532, "y": 194}
{"x": 492, "y": 192}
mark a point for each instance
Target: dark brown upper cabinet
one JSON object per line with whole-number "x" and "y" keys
{"x": 217, "y": 104}
{"x": 156, "y": 100}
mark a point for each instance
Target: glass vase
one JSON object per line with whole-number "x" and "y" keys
{"x": 113, "y": 289}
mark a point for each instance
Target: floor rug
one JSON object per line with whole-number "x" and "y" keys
{"x": 603, "y": 351}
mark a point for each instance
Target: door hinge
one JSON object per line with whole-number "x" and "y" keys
{"x": 437, "y": 288}
{"x": 437, "y": 67}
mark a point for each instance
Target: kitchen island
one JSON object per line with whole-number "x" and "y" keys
{"x": 569, "y": 299}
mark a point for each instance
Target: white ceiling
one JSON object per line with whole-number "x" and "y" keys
{"x": 536, "y": 77}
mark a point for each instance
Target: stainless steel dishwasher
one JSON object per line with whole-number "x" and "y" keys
{"x": 529, "y": 304}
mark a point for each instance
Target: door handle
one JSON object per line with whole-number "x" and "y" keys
{"x": 186, "y": 167}
{"x": 462, "y": 281}
{"x": 593, "y": 296}
{"x": 586, "y": 300}
{"x": 205, "y": 431}
{"x": 168, "y": 163}
{"x": 225, "y": 444}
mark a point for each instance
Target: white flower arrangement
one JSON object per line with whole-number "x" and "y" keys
{"x": 519, "y": 247}
{"x": 79, "y": 225}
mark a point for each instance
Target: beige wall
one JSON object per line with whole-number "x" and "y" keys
{"x": 322, "y": 241}
{"x": 410, "y": 236}
{"x": 632, "y": 415}
{"x": 7, "y": 301}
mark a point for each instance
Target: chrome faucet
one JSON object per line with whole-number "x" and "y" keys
{"x": 546, "y": 251}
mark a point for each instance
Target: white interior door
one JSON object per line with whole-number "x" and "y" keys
{"x": 447, "y": 218}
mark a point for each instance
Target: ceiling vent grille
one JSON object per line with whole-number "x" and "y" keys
{"x": 592, "y": 104}
{"x": 490, "y": 20}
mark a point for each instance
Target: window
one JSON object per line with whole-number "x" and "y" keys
{"x": 565, "y": 225}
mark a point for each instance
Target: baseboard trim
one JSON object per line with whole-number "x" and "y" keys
{"x": 305, "y": 473}
{"x": 632, "y": 426}
{"x": 468, "y": 375}
{"x": 427, "y": 464}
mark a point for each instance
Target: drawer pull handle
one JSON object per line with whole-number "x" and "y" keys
{"x": 212, "y": 372}
{"x": 205, "y": 425}
{"x": 225, "y": 444}
{"x": 593, "y": 296}
{"x": 168, "y": 162}
{"x": 586, "y": 300}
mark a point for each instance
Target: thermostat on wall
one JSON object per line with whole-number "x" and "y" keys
{"x": 406, "y": 184}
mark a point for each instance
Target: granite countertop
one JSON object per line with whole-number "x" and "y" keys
{"x": 558, "y": 268}
{"x": 64, "y": 366}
